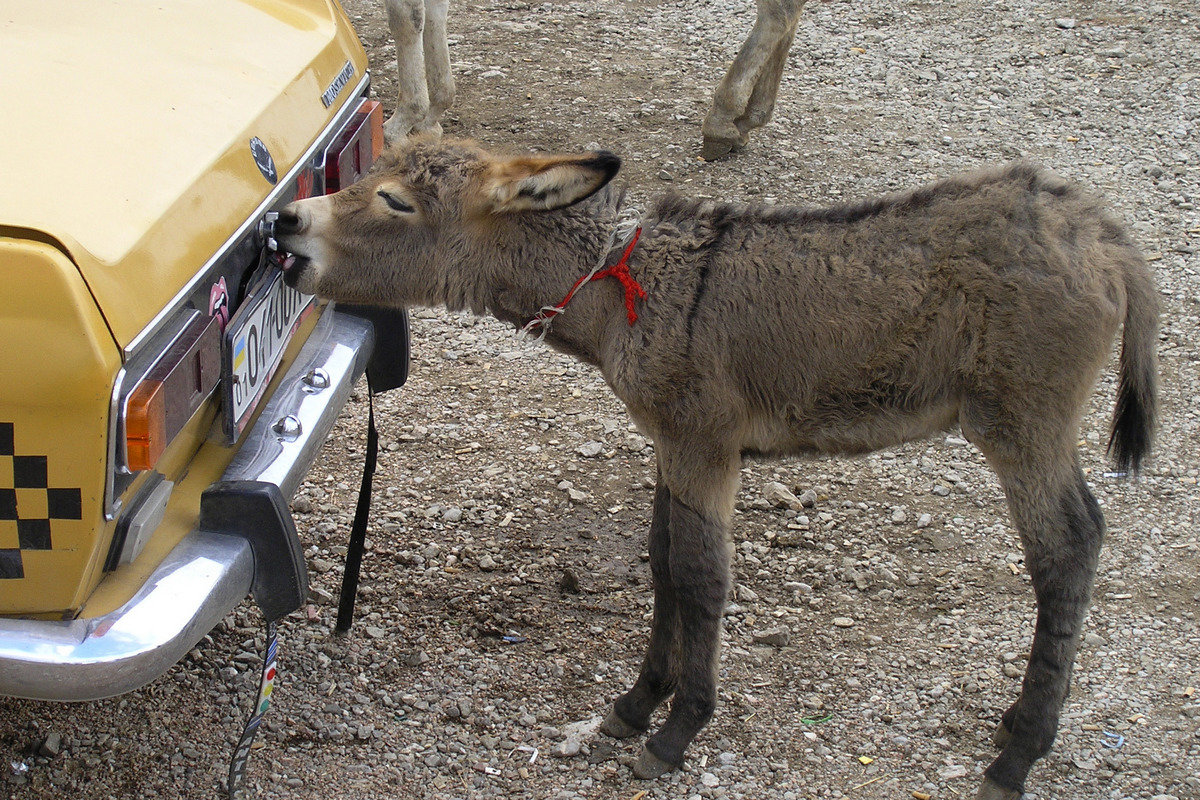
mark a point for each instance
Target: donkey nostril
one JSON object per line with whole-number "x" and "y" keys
{"x": 288, "y": 222}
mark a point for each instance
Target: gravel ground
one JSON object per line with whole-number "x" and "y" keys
{"x": 881, "y": 615}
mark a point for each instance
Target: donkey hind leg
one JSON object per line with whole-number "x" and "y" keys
{"x": 406, "y": 20}
{"x": 630, "y": 715}
{"x": 699, "y": 564}
{"x": 762, "y": 99}
{"x": 742, "y": 96}
{"x": 1061, "y": 528}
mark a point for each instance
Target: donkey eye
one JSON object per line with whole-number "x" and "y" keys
{"x": 396, "y": 204}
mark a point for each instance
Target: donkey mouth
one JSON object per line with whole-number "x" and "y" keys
{"x": 293, "y": 266}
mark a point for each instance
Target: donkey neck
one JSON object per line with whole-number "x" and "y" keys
{"x": 547, "y": 255}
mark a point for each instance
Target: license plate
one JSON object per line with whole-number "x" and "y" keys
{"x": 254, "y": 341}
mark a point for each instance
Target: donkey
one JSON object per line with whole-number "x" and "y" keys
{"x": 744, "y": 100}
{"x": 989, "y": 301}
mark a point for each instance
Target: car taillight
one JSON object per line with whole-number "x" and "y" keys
{"x": 183, "y": 377}
{"x": 355, "y": 149}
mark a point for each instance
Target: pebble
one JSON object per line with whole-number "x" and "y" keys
{"x": 778, "y": 495}
{"x": 775, "y": 637}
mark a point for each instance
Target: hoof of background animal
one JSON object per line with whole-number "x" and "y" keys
{"x": 649, "y": 766}
{"x": 991, "y": 791}
{"x": 1001, "y": 736}
{"x": 434, "y": 130}
{"x": 715, "y": 147}
{"x": 396, "y": 129}
{"x": 712, "y": 149}
{"x": 618, "y": 728}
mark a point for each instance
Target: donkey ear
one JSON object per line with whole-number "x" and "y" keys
{"x": 544, "y": 183}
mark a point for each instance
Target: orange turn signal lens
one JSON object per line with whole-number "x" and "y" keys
{"x": 145, "y": 426}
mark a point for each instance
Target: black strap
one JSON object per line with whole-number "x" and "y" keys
{"x": 358, "y": 531}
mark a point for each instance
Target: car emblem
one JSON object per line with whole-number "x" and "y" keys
{"x": 262, "y": 158}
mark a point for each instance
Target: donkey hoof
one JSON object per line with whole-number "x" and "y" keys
{"x": 714, "y": 148}
{"x": 618, "y": 728}
{"x": 992, "y": 791}
{"x": 1001, "y": 736}
{"x": 650, "y": 766}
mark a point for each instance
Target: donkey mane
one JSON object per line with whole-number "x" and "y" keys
{"x": 684, "y": 210}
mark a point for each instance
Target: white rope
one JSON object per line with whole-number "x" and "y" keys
{"x": 628, "y": 220}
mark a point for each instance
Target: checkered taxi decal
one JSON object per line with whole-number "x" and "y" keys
{"x": 28, "y": 508}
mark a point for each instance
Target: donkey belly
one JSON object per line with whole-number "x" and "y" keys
{"x": 845, "y": 430}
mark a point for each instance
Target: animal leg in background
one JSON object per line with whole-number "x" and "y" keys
{"x": 746, "y": 95}
{"x": 425, "y": 86}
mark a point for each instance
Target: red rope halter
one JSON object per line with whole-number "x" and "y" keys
{"x": 619, "y": 270}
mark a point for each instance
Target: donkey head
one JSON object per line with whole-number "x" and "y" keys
{"x": 426, "y": 211}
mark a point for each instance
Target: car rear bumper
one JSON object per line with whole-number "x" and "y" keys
{"x": 208, "y": 573}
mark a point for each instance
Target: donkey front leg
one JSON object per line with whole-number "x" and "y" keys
{"x": 699, "y": 570}
{"x": 630, "y": 715}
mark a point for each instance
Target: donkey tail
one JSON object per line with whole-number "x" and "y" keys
{"x": 1133, "y": 421}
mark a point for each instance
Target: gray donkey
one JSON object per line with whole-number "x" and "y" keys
{"x": 988, "y": 301}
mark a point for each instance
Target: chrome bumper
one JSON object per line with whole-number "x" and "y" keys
{"x": 207, "y": 574}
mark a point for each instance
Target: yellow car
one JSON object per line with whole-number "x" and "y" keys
{"x": 162, "y": 392}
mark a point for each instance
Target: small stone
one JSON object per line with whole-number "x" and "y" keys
{"x": 780, "y": 496}
{"x": 1094, "y": 640}
{"x": 569, "y": 583}
{"x": 710, "y": 780}
{"x": 51, "y": 746}
{"x": 567, "y": 748}
{"x": 487, "y": 563}
{"x": 808, "y": 498}
{"x": 924, "y": 521}
{"x": 416, "y": 658}
{"x": 590, "y": 449}
{"x": 601, "y": 751}
{"x": 775, "y": 637}
{"x": 375, "y": 632}
{"x": 953, "y": 771}
{"x": 843, "y": 622}
{"x": 1066, "y": 23}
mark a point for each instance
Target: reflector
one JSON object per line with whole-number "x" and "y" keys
{"x": 354, "y": 150}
